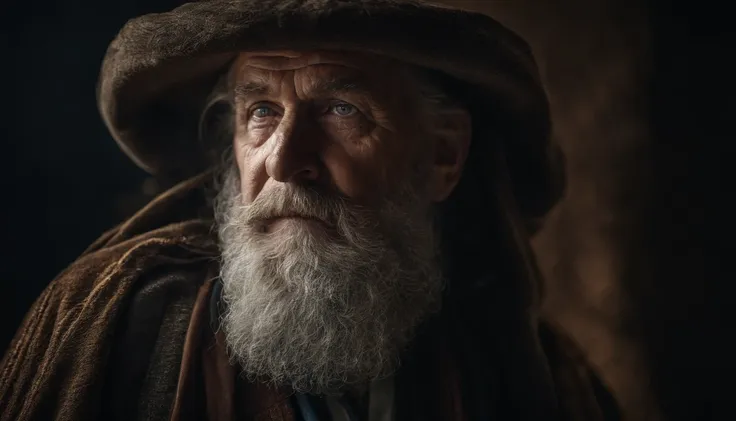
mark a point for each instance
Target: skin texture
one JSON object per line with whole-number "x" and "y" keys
{"x": 345, "y": 123}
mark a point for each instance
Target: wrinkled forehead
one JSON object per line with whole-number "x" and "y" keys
{"x": 379, "y": 70}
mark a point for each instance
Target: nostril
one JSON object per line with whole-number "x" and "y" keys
{"x": 310, "y": 173}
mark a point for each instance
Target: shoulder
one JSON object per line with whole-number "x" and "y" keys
{"x": 582, "y": 392}
{"x": 103, "y": 284}
{"x": 56, "y": 361}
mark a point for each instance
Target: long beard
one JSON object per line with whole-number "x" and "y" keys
{"x": 320, "y": 310}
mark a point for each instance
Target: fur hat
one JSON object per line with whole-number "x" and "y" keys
{"x": 159, "y": 70}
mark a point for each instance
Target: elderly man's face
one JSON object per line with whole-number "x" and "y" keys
{"x": 348, "y": 123}
{"x": 326, "y": 222}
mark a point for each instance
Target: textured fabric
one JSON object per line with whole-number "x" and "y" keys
{"x": 159, "y": 69}
{"x": 147, "y": 350}
{"x": 56, "y": 364}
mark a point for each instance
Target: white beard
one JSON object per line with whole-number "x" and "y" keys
{"x": 321, "y": 309}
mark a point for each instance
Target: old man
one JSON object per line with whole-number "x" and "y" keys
{"x": 349, "y": 240}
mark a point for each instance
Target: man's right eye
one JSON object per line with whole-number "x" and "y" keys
{"x": 262, "y": 111}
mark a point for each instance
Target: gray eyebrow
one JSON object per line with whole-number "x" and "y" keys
{"x": 324, "y": 87}
{"x": 340, "y": 84}
{"x": 247, "y": 89}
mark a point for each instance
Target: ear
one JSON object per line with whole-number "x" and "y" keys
{"x": 452, "y": 136}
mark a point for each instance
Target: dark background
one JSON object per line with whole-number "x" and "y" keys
{"x": 65, "y": 181}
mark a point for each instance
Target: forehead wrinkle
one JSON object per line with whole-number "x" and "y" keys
{"x": 322, "y": 80}
{"x": 316, "y": 81}
{"x": 257, "y": 82}
{"x": 335, "y": 84}
{"x": 251, "y": 88}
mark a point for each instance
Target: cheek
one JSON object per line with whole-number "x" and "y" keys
{"x": 395, "y": 154}
{"x": 249, "y": 164}
{"x": 353, "y": 177}
{"x": 366, "y": 168}
{"x": 354, "y": 132}
{"x": 402, "y": 141}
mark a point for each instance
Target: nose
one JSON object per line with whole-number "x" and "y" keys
{"x": 295, "y": 155}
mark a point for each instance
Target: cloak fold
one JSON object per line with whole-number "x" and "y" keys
{"x": 55, "y": 365}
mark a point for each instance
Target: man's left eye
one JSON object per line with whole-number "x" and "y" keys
{"x": 343, "y": 109}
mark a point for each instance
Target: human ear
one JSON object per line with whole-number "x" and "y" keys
{"x": 451, "y": 142}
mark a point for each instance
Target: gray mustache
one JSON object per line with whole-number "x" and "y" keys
{"x": 294, "y": 201}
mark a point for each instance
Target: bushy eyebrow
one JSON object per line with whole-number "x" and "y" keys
{"x": 324, "y": 87}
{"x": 339, "y": 84}
{"x": 253, "y": 88}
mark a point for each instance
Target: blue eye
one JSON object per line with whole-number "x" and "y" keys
{"x": 343, "y": 109}
{"x": 262, "y": 111}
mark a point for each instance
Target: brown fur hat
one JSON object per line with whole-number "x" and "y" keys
{"x": 160, "y": 68}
